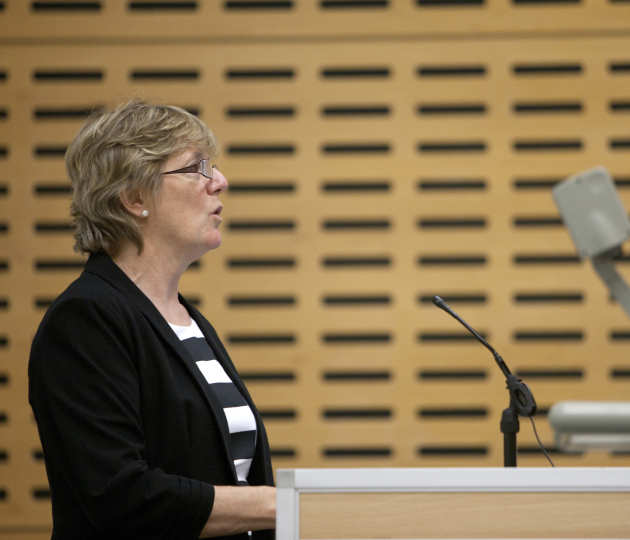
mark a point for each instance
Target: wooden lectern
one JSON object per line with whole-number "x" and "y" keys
{"x": 453, "y": 503}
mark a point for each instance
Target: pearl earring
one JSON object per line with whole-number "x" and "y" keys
{"x": 144, "y": 213}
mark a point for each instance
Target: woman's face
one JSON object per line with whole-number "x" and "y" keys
{"x": 185, "y": 215}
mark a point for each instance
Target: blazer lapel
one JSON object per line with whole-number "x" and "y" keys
{"x": 104, "y": 266}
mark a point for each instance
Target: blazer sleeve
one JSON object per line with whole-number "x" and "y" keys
{"x": 85, "y": 392}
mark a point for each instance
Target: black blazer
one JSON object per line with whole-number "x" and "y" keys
{"x": 133, "y": 441}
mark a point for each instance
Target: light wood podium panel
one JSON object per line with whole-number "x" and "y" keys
{"x": 453, "y": 503}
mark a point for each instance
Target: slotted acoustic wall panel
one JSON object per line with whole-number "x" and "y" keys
{"x": 365, "y": 176}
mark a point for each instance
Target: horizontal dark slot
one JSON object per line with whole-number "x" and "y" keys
{"x": 4, "y": 113}
{"x": 548, "y": 298}
{"x": 545, "y": 259}
{"x": 3, "y": 75}
{"x": 66, "y": 113}
{"x": 356, "y": 414}
{"x": 4, "y": 227}
{"x": 260, "y": 73}
{"x": 4, "y": 455}
{"x": 260, "y": 149}
{"x": 452, "y": 260}
{"x": 4, "y": 151}
{"x": 4, "y": 341}
{"x": 619, "y": 453}
{"x": 38, "y": 455}
{"x": 357, "y": 376}
{"x": 267, "y": 262}
{"x": 620, "y": 373}
{"x": 4, "y": 494}
{"x": 283, "y": 452}
{"x": 194, "y": 300}
{"x": 364, "y": 110}
{"x": 455, "y": 451}
{"x": 260, "y": 4}
{"x": 453, "y": 412}
{"x": 163, "y": 6}
{"x": 164, "y": 74}
{"x": 455, "y": 108}
{"x": 621, "y": 257}
{"x": 438, "y": 184}
{"x": 54, "y": 227}
{"x": 621, "y": 182}
{"x": 376, "y": 148}
{"x": 40, "y": 493}
{"x": 68, "y": 75}
{"x": 542, "y": 412}
{"x": 260, "y": 112}
{"x": 53, "y": 189}
{"x": 267, "y": 376}
{"x": 455, "y": 298}
{"x": 357, "y": 451}
{"x": 616, "y": 144}
{"x": 356, "y": 300}
{"x": 546, "y": 145}
{"x": 195, "y": 265}
{"x": 4, "y": 265}
{"x": 452, "y": 223}
{"x": 545, "y": 2}
{"x": 547, "y": 69}
{"x": 616, "y": 106}
{"x": 4, "y": 379}
{"x": 452, "y": 374}
{"x": 260, "y": 301}
{"x": 355, "y": 72}
{"x": 530, "y": 221}
{"x": 550, "y": 373}
{"x": 619, "y": 335}
{"x": 344, "y": 4}
{"x": 548, "y": 335}
{"x": 278, "y": 414}
{"x": 356, "y": 261}
{"x": 4, "y": 303}
{"x": 547, "y": 107}
{"x": 261, "y": 225}
{"x": 346, "y": 186}
{"x": 49, "y": 151}
{"x": 534, "y": 449}
{"x": 4, "y": 417}
{"x": 619, "y": 67}
{"x": 261, "y": 339}
{"x": 261, "y": 188}
{"x": 536, "y": 183}
{"x": 356, "y": 224}
{"x": 457, "y": 70}
{"x": 356, "y": 337}
{"x": 459, "y": 146}
{"x": 448, "y": 337}
{"x": 66, "y": 6}
{"x": 58, "y": 264}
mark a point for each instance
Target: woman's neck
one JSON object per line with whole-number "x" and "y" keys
{"x": 157, "y": 276}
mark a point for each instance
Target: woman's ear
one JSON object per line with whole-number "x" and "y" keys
{"x": 134, "y": 203}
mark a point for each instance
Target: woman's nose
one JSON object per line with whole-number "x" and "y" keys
{"x": 218, "y": 183}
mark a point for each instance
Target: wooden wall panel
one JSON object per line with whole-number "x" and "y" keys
{"x": 243, "y": 19}
{"x": 366, "y": 176}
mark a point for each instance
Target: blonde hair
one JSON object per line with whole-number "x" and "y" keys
{"x": 121, "y": 151}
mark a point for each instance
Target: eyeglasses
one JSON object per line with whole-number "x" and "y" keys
{"x": 201, "y": 167}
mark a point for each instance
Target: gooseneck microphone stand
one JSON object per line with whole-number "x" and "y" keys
{"x": 521, "y": 399}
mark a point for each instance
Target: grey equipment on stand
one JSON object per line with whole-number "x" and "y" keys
{"x": 598, "y": 223}
{"x": 591, "y": 425}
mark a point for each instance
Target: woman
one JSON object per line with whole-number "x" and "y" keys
{"x": 147, "y": 430}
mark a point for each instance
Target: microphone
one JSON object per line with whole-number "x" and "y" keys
{"x": 521, "y": 396}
